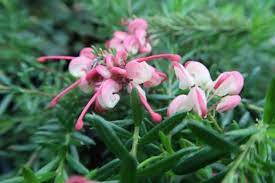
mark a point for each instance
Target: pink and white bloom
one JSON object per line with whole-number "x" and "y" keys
{"x": 196, "y": 77}
{"x": 181, "y": 103}
{"x": 199, "y": 101}
{"x": 228, "y": 103}
{"x": 107, "y": 76}
{"x": 229, "y": 83}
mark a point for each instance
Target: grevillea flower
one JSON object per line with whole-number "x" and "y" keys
{"x": 134, "y": 40}
{"x": 195, "y": 77}
{"x": 108, "y": 74}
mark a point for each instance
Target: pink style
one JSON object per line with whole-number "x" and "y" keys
{"x": 106, "y": 76}
{"x": 195, "y": 77}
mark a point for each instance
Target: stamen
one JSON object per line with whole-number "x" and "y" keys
{"x": 170, "y": 57}
{"x": 64, "y": 92}
{"x": 45, "y": 58}
{"x": 154, "y": 116}
{"x": 79, "y": 123}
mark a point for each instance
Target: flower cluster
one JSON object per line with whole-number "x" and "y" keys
{"x": 134, "y": 40}
{"x": 105, "y": 74}
{"x": 195, "y": 77}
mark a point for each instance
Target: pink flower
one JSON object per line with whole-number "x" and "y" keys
{"x": 196, "y": 77}
{"x": 229, "y": 83}
{"x": 199, "y": 100}
{"x": 181, "y": 103}
{"x": 107, "y": 76}
{"x": 228, "y": 102}
{"x": 78, "y": 179}
{"x": 134, "y": 40}
{"x": 137, "y": 24}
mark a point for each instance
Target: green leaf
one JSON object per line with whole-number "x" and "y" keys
{"x": 29, "y": 176}
{"x": 108, "y": 136}
{"x": 166, "y": 142}
{"x": 128, "y": 170}
{"x": 165, "y": 126}
{"x": 83, "y": 138}
{"x": 269, "y": 107}
{"x": 198, "y": 160}
{"x": 165, "y": 164}
{"x": 211, "y": 137}
{"x": 49, "y": 166}
{"x": 105, "y": 171}
{"x": 76, "y": 165}
{"x": 137, "y": 109}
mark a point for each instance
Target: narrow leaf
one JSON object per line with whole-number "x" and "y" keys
{"x": 165, "y": 126}
{"x": 108, "y": 136}
{"x": 137, "y": 109}
{"x": 198, "y": 160}
{"x": 29, "y": 176}
{"x": 128, "y": 170}
{"x": 211, "y": 137}
{"x": 269, "y": 108}
{"x": 165, "y": 164}
{"x": 76, "y": 165}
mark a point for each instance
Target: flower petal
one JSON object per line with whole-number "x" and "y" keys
{"x": 108, "y": 97}
{"x": 137, "y": 24}
{"x": 228, "y": 102}
{"x": 103, "y": 71}
{"x": 131, "y": 44}
{"x": 185, "y": 79}
{"x": 156, "y": 79}
{"x": 199, "y": 73}
{"x": 139, "y": 72}
{"x": 229, "y": 83}
{"x": 79, "y": 66}
{"x": 199, "y": 100}
{"x": 181, "y": 103}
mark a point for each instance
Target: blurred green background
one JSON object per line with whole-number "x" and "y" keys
{"x": 224, "y": 35}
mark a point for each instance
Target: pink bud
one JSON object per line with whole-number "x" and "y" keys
{"x": 78, "y": 179}
{"x": 145, "y": 48}
{"x": 87, "y": 52}
{"x": 199, "y": 73}
{"x": 139, "y": 72}
{"x": 121, "y": 57}
{"x": 229, "y": 83}
{"x": 103, "y": 71}
{"x": 131, "y": 44}
{"x": 181, "y": 103}
{"x": 137, "y": 24}
{"x": 108, "y": 97}
{"x": 199, "y": 101}
{"x": 185, "y": 79}
{"x": 79, "y": 66}
{"x": 120, "y": 35}
{"x": 228, "y": 102}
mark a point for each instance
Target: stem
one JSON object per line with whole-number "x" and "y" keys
{"x": 135, "y": 141}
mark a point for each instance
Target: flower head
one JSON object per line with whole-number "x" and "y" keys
{"x": 195, "y": 77}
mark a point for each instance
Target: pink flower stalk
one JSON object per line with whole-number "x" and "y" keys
{"x": 108, "y": 74}
{"x": 195, "y": 77}
{"x": 134, "y": 40}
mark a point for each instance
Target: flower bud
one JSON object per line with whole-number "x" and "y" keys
{"x": 228, "y": 102}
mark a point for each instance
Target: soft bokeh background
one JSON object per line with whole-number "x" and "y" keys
{"x": 224, "y": 35}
